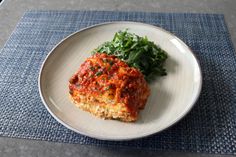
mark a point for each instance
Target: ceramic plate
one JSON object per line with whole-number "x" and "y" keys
{"x": 171, "y": 98}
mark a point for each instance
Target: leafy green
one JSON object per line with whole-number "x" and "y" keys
{"x": 137, "y": 52}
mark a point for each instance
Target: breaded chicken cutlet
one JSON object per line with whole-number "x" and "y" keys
{"x": 108, "y": 88}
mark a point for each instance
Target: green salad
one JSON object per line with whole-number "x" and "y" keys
{"x": 137, "y": 52}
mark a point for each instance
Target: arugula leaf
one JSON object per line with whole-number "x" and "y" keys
{"x": 137, "y": 52}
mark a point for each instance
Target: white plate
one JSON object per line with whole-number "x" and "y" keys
{"x": 171, "y": 97}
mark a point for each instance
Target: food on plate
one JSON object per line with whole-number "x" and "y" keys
{"x": 137, "y": 52}
{"x": 109, "y": 88}
{"x": 112, "y": 84}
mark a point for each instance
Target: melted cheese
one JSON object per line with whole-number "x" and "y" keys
{"x": 104, "y": 79}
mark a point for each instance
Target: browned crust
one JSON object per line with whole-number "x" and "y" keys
{"x": 103, "y": 112}
{"x": 108, "y": 88}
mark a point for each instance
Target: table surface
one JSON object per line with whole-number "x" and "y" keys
{"x": 12, "y": 10}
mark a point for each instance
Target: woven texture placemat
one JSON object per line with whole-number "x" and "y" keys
{"x": 211, "y": 125}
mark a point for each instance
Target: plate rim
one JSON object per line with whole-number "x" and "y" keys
{"x": 119, "y": 138}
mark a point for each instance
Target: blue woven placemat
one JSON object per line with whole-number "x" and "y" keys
{"x": 210, "y": 127}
